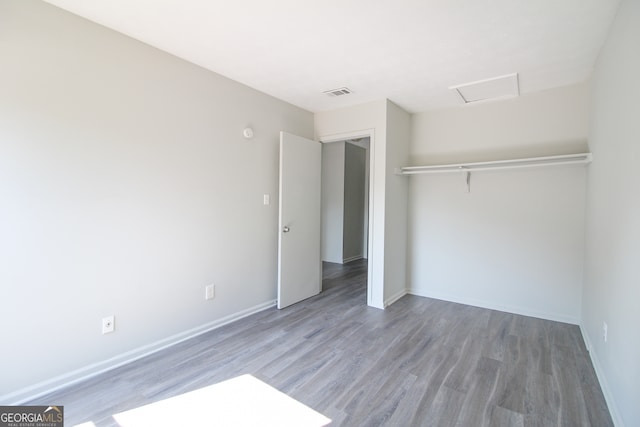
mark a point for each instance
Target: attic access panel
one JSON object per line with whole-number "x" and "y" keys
{"x": 506, "y": 86}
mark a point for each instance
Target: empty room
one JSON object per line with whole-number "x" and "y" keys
{"x": 357, "y": 213}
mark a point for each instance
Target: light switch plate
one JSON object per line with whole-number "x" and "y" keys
{"x": 210, "y": 292}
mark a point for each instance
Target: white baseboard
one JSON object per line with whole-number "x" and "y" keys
{"x": 524, "y": 311}
{"x": 613, "y": 409}
{"x": 395, "y": 297}
{"x": 353, "y": 258}
{"x": 45, "y": 387}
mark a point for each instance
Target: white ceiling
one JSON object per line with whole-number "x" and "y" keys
{"x": 409, "y": 51}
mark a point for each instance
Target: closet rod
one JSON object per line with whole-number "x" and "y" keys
{"x": 565, "y": 159}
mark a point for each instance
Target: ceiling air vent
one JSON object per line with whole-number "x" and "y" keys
{"x": 338, "y": 92}
{"x": 489, "y": 89}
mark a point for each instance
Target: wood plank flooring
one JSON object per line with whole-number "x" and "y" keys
{"x": 421, "y": 362}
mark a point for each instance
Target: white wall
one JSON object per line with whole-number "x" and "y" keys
{"x": 612, "y": 278}
{"x": 333, "y": 156}
{"x": 515, "y": 243}
{"x": 549, "y": 122}
{"x": 397, "y": 187}
{"x": 126, "y": 187}
{"x": 364, "y": 143}
{"x": 354, "y": 202}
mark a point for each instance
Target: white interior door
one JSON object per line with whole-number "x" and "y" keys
{"x": 299, "y": 264}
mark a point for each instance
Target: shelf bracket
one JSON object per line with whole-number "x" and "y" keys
{"x": 468, "y": 182}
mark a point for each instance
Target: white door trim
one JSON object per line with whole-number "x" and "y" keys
{"x": 372, "y": 284}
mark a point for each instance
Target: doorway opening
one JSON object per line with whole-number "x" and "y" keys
{"x": 345, "y": 211}
{"x": 351, "y": 275}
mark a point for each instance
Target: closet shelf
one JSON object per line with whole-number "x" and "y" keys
{"x": 565, "y": 159}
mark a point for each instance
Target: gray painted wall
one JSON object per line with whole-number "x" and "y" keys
{"x": 126, "y": 188}
{"x": 398, "y": 136}
{"x": 516, "y": 241}
{"x": 612, "y": 278}
{"x": 354, "y": 202}
{"x": 332, "y": 201}
{"x": 343, "y": 202}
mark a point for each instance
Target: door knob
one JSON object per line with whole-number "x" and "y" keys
{"x": 285, "y": 229}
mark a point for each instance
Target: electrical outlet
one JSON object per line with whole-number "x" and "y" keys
{"x": 605, "y": 331}
{"x": 108, "y": 324}
{"x": 210, "y": 292}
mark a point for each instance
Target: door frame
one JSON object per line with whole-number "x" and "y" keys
{"x": 372, "y": 284}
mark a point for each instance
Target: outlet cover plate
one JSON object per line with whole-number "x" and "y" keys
{"x": 108, "y": 324}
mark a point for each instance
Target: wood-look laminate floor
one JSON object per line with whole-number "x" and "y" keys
{"x": 421, "y": 362}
